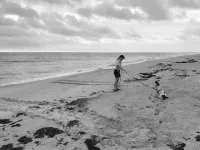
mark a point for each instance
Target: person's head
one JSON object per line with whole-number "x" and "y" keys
{"x": 121, "y": 57}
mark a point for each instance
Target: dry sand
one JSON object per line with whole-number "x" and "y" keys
{"x": 81, "y": 112}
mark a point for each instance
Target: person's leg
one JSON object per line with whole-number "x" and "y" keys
{"x": 116, "y": 83}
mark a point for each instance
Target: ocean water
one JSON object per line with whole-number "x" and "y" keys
{"x": 18, "y": 68}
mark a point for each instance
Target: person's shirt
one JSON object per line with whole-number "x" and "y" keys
{"x": 118, "y": 65}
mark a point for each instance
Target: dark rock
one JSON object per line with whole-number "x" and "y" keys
{"x": 5, "y": 121}
{"x": 197, "y": 138}
{"x": 16, "y": 125}
{"x": 47, "y": 131}
{"x": 72, "y": 123}
{"x": 91, "y": 143}
{"x": 25, "y": 140}
{"x": 177, "y": 146}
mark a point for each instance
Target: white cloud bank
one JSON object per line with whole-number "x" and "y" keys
{"x": 99, "y": 25}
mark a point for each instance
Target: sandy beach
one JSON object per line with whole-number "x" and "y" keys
{"x": 81, "y": 112}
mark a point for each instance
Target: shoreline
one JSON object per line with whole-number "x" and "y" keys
{"x": 79, "y": 72}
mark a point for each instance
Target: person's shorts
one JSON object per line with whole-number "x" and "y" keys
{"x": 117, "y": 73}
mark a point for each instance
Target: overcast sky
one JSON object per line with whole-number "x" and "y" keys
{"x": 100, "y": 25}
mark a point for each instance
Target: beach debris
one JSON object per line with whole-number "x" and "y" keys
{"x": 162, "y": 65}
{"x": 10, "y": 147}
{"x": 81, "y": 132}
{"x": 37, "y": 143}
{"x": 81, "y": 102}
{"x": 62, "y": 100}
{"x": 93, "y": 93}
{"x": 47, "y": 131}
{"x": 7, "y": 147}
{"x": 177, "y": 145}
{"x": 16, "y": 125}
{"x": 21, "y": 114}
{"x": 59, "y": 141}
{"x": 91, "y": 143}
{"x": 65, "y": 143}
{"x": 181, "y": 74}
{"x": 11, "y": 124}
{"x": 5, "y": 121}
{"x": 147, "y": 75}
{"x": 25, "y": 140}
{"x": 72, "y": 123}
{"x": 187, "y": 61}
{"x": 197, "y": 138}
{"x": 34, "y": 107}
{"x": 134, "y": 80}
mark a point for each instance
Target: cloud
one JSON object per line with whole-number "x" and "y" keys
{"x": 70, "y": 26}
{"x": 33, "y": 23}
{"x": 17, "y": 37}
{"x": 12, "y": 8}
{"x": 189, "y": 4}
{"x": 20, "y": 43}
{"x": 109, "y": 10}
{"x": 6, "y": 21}
{"x": 70, "y": 3}
{"x": 155, "y": 9}
{"x": 191, "y": 31}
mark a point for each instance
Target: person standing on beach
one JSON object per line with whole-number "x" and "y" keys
{"x": 117, "y": 70}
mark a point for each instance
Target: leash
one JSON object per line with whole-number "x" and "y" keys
{"x": 141, "y": 82}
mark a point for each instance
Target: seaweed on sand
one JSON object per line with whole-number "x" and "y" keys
{"x": 79, "y": 102}
{"x": 25, "y": 140}
{"x": 10, "y": 147}
{"x": 5, "y": 121}
{"x": 187, "y": 61}
{"x": 197, "y": 138}
{"x": 47, "y": 131}
{"x": 21, "y": 114}
{"x": 91, "y": 143}
{"x": 72, "y": 123}
{"x": 177, "y": 146}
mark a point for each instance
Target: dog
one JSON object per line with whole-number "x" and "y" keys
{"x": 160, "y": 91}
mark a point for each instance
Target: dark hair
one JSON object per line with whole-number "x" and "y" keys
{"x": 157, "y": 83}
{"x": 121, "y": 56}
